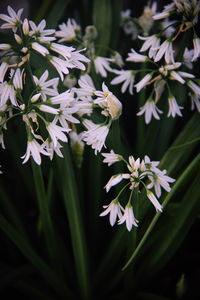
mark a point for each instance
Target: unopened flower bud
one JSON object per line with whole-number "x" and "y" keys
{"x": 25, "y": 27}
{"x": 5, "y": 46}
{"x": 114, "y": 107}
{"x": 22, "y": 106}
{"x": 24, "y": 50}
{"x": 90, "y": 32}
{"x": 18, "y": 39}
{"x": 70, "y": 81}
{"x": 35, "y": 97}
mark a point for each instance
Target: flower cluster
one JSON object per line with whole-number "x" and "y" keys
{"x": 134, "y": 26}
{"x": 71, "y": 32}
{"x": 50, "y": 116}
{"x": 166, "y": 60}
{"x": 143, "y": 173}
{"x": 89, "y": 98}
{"x": 82, "y": 113}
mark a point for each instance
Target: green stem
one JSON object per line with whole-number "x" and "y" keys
{"x": 45, "y": 217}
{"x": 155, "y": 219}
{"x": 72, "y": 205}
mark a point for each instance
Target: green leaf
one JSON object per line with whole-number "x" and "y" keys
{"x": 116, "y": 19}
{"x": 10, "y": 210}
{"x": 70, "y": 196}
{"x": 52, "y": 278}
{"x": 178, "y": 153}
{"x": 41, "y": 12}
{"x": 56, "y": 13}
{"x": 173, "y": 229}
{"x": 102, "y": 20}
{"x": 45, "y": 218}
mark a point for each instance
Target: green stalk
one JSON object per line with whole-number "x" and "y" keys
{"x": 45, "y": 217}
{"x": 71, "y": 200}
{"x": 42, "y": 11}
{"x": 155, "y": 219}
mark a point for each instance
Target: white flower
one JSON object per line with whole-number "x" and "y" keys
{"x": 60, "y": 65}
{"x": 102, "y": 65}
{"x": 167, "y": 28}
{"x": 84, "y": 106}
{"x": 164, "y": 70}
{"x": 49, "y": 146}
{"x": 39, "y": 48}
{"x": 128, "y": 217}
{"x": 87, "y": 87}
{"x": 125, "y": 76}
{"x": 115, "y": 211}
{"x": 68, "y": 31}
{"x": 167, "y": 50}
{"x": 40, "y": 32}
{"x": 152, "y": 43}
{"x": 17, "y": 79}
{"x": 12, "y": 20}
{"x": 151, "y": 165}
{"x": 195, "y": 101}
{"x": 117, "y": 59}
{"x": 176, "y": 76}
{"x": 136, "y": 57}
{"x": 130, "y": 28}
{"x": 46, "y": 87}
{"x": 160, "y": 180}
{"x": 96, "y": 135}
{"x": 77, "y": 58}
{"x": 133, "y": 164}
{"x": 115, "y": 179}
{"x": 143, "y": 82}
{"x": 187, "y": 58}
{"x": 154, "y": 201}
{"x": 3, "y": 70}
{"x": 63, "y": 50}
{"x": 34, "y": 149}
{"x": 65, "y": 116}
{"x": 196, "y": 43}
{"x": 194, "y": 87}
{"x": 174, "y": 109}
{"x": 149, "y": 109}
{"x": 48, "y": 109}
{"x": 145, "y": 20}
{"x": 111, "y": 158}
{"x": 64, "y": 98}
{"x": 125, "y": 14}
{"x": 57, "y": 133}
{"x": 165, "y": 13}
{"x": 186, "y": 74}
{"x": 7, "y": 92}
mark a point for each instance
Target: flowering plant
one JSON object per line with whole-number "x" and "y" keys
{"x": 72, "y": 100}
